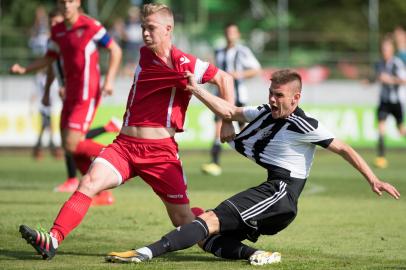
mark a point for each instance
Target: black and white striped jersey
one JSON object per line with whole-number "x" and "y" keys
{"x": 57, "y": 67}
{"x": 237, "y": 58}
{"x": 287, "y": 143}
{"x": 390, "y": 92}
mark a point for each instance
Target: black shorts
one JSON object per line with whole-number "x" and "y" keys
{"x": 394, "y": 109}
{"x": 45, "y": 120}
{"x": 265, "y": 209}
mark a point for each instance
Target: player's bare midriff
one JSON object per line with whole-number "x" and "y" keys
{"x": 148, "y": 132}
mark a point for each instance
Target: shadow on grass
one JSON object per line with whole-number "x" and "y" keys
{"x": 51, "y": 203}
{"x": 180, "y": 257}
{"x": 32, "y": 255}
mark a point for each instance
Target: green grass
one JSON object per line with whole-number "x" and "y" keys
{"x": 341, "y": 224}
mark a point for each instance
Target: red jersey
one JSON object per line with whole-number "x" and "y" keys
{"x": 77, "y": 47}
{"x": 157, "y": 97}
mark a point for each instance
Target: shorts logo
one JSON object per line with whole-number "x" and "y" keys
{"x": 175, "y": 196}
{"x": 253, "y": 222}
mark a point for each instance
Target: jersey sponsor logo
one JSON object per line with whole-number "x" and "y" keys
{"x": 184, "y": 60}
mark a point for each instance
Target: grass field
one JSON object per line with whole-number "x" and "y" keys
{"x": 341, "y": 224}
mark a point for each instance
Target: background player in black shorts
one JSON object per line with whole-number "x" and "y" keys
{"x": 239, "y": 61}
{"x": 279, "y": 137}
{"x": 391, "y": 73}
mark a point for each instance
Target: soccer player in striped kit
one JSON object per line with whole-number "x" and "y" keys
{"x": 145, "y": 147}
{"x": 281, "y": 138}
{"x": 239, "y": 61}
{"x": 391, "y": 73}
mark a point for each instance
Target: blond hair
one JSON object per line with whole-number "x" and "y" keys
{"x": 164, "y": 10}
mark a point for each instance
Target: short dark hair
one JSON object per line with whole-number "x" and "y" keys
{"x": 55, "y": 12}
{"x": 388, "y": 38}
{"x": 229, "y": 24}
{"x": 284, "y": 76}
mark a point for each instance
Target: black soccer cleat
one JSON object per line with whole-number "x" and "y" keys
{"x": 40, "y": 240}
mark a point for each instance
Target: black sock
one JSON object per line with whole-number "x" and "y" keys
{"x": 70, "y": 166}
{"x": 381, "y": 146}
{"x": 94, "y": 132}
{"x": 182, "y": 237}
{"x": 215, "y": 152}
{"x": 227, "y": 248}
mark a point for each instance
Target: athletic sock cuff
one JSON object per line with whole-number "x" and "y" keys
{"x": 203, "y": 225}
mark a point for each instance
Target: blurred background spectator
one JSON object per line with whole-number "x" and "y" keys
{"x": 132, "y": 37}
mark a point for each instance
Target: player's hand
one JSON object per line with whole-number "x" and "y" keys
{"x": 386, "y": 78}
{"x": 236, "y": 75}
{"x": 227, "y": 132}
{"x": 45, "y": 100}
{"x": 61, "y": 93}
{"x": 107, "y": 89}
{"x": 380, "y": 186}
{"x": 17, "y": 69}
{"x": 192, "y": 84}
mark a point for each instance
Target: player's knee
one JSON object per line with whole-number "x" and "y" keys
{"x": 70, "y": 145}
{"x": 89, "y": 185}
{"x": 181, "y": 218}
{"x": 212, "y": 221}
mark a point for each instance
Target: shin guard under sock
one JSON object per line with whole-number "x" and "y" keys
{"x": 70, "y": 215}
{"x": 182, "y": 237}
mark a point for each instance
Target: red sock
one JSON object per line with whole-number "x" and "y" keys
{"x": 82, "y": 163}
{"x": 70, "y": 215}
{"x": 88, "y": 148}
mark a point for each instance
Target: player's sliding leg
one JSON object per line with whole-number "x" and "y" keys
{"x": 100, "y": 177}
{"x": 182, "y": 237}
{"x": 229, "y": 248}
{"x": 72, "y": 182}
{"x": 83, "y": 152}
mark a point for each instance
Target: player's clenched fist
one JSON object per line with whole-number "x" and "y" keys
{"x": 17, "y": 69}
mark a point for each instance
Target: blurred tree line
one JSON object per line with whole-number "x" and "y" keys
{"x": 281, "y": 32}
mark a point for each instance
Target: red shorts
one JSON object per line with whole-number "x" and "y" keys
{"x": 79, "y": 115}
{"x": 155, "y": 161}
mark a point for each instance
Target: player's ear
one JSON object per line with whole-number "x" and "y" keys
{"x": 296, "y": 97}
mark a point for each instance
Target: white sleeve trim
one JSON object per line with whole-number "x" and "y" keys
{"x": 99, "y": 34}
{"x": 200, "y": 69}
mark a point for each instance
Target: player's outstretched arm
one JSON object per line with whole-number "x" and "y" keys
{"x": 220, "y": 107}
{"x": 47, "y": 88}
{"x": 114, "y": 64}
{"x": 349, "y": 154}
{"x": 225, "y": 85}
{"x": 36, "y": 65}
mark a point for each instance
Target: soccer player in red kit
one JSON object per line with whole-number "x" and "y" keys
{"x": 145, "y": 147}
{"x": 76, "y": 41}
